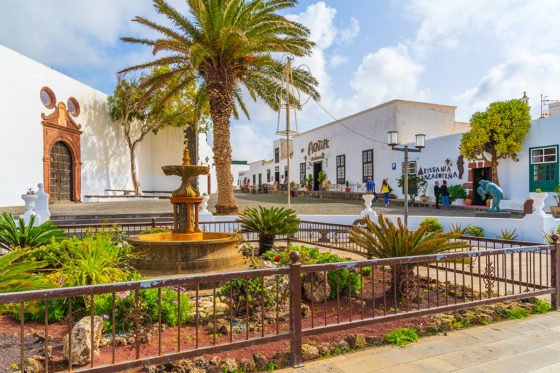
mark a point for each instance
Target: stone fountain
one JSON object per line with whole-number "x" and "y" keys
{"x": 186, "y": 249}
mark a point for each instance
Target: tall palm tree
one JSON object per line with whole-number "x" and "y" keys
{"x": 230, "y": 45}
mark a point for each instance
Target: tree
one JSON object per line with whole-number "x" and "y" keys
{"x": 497, "y": 133}
{"x": 140, "y": 111}
{"x": 230, "y": 45}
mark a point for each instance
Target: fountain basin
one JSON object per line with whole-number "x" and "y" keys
{"x": 185, "y": 253}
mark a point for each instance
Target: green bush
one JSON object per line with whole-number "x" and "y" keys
{"x": 474, "y": 231}
{"x": 541, "y": 306}
{"x": 517, "y": 313}
{"x": 347, "y": 281}
{"x": 367, "y": 271}
{"x": 456, "y": 192}
{"x": 248, "y": 291}
{"x": 156, "y": 230}
{"x": 432, "y": 224}
{"x": 16, "y": 234}
{"x": 402, "y": 336}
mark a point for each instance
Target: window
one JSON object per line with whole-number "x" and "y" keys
{"x": 302, "y": 173}
{"x": 260, "y": 179}
{"x": 411, "y": 167}
{"x": 367, "y": 165}
{"x": 268, "y": 175}
{"x": 254, "y": 179}
{"x": 341, "y": 169}
{"x": 543, "y": 170}
{"x": 276, "y": 155}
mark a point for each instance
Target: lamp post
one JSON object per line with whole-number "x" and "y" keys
{"x": 393, "y": 141}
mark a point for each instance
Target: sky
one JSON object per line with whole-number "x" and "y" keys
{"x": 466, "y": 53}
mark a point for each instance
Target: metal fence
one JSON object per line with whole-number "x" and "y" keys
{"x": 265, "y": 305}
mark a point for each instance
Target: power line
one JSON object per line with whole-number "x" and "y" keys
{"x": 348, "y": 128}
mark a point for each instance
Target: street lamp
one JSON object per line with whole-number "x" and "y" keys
{"x": 393, "y": 141}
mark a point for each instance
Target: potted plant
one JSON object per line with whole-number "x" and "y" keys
{"x": 321, "y": 178}
{"x": 457, "y": 194}
{"x": 347, "y": 186}
{"x": 268, "y": 222}
{"x": 294, "y": 189}
{"x": 538, "y": 197}
{"x": 556, "y": 209}
{"x": 309, "y": 182}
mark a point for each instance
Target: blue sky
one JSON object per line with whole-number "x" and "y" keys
{"x": 463, "y": 52}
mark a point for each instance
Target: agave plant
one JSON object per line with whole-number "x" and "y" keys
{"x": 458, "y": 228}
{"x": 17, "y": 273}
{"x": 268, "y": 222}
{"x": 384, "y": 239}
{"x": 508, "y": 234}
{"x": 16, "y": 234}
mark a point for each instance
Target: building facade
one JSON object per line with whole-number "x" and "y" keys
{"x": 57, "y": 131}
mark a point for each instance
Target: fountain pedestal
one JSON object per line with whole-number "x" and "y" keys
{"x": 185, "y": 213}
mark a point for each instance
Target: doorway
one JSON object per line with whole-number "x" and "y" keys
{"x": 61, "y": 173}
{"x": 277, "y": 177}
{"x": 484, "y": 173}
{"x": 317, "y": 167}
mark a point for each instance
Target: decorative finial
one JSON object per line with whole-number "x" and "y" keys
{"x": 186, "y": 154}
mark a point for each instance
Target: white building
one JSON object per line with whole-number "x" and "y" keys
{"x": 272, "y": 171}
{"x": 57, "y": 131}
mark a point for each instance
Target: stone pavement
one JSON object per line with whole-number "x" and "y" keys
{"x": 530, "y": 345}
{"x": 302, "y": 205}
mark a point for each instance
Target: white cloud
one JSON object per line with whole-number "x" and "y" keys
{"x": 532, "y": 73}
{"x": 387, "y": 74}
{"x": 348, "y": 35}
{"x": 337, "y": 60}
{"x": 248, "y": 144}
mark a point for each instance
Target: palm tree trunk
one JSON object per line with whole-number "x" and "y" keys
{"x": 220, "y": 88}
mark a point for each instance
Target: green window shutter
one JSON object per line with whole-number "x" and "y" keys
{"x": 543, "y": 173}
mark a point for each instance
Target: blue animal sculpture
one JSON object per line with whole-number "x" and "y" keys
{"x": 487, "y": 188}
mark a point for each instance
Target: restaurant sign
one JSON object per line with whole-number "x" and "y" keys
{"x": 317, "y": 146}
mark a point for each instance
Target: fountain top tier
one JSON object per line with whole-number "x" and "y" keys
{"x": 186, "y": 198}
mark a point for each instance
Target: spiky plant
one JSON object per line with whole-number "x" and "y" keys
{"x": 458, "y": 228}
{"x": 384, "y": 239}
{"x": 17, "y": 273}
{"x": 508, "y": 234}
{"x": 229, "y": 44}
{"x": 16, "y": 234}
{"x": 268, "y": 222}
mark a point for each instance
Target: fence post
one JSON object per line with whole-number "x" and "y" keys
{"x": 153, "y": 222}
{"x": 296, "y": 359}
{"x": 555, "y": 273}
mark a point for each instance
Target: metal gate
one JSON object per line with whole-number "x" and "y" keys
{"x": 61, "y": 173}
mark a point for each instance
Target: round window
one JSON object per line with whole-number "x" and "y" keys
{"x": 47, "y": 97}
{"x": 73, "y": 107}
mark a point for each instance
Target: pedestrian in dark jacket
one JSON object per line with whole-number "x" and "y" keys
{"x": 437, "y": 192}
{"x": 445, "y": 194}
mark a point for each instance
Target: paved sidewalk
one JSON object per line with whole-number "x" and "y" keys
{"x": 530, "y": 345}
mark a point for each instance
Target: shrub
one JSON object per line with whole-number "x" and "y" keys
{"x": 268, "y": 222}
{"x": 508, "y": 234}
{"x": 517, "y": 313}
{"x": 16, "y": 234}
{"x": 17, "y": 273}
{"x": 402, "y": 336}
{"x": 474, "y": 231}
{"x": 156, "y": 230}
{"x": 347, "y": 281}
{"x": 541, "y": 306}
{"x": 249, "y": 292}
{"x": 384, "y": 239}
{"x": 456, "y": 192}
{"x": 367, "y": 271}
{"x": 458, "y": 229}
{"x": 432, "y": 224}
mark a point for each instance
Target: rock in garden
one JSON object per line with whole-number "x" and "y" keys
{"x": 341, "y": 345}
{"x": 325, "y": 349}
{"x": 309, "y": 352}
{"x": 356, "y": 341}
{"x": 260, "y": 360}
{"x": 315, "y": 287}
{"x": 247, "y": 365}
{"x": 35, "y": 364}
{"x": 376, "y": 340}
{"x": 229, "y": 365}
{"x": 81, "y": 340}
{"x": 201, "y": 362}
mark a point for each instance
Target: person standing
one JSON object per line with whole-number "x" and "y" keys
{"x": 370, "y": 187}
{"x": 437, "y": 193}
{"x": 385, "y": 190}
{"x": 445, "y": 194}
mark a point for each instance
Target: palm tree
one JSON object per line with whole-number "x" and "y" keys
{"x": 230, "y": 45}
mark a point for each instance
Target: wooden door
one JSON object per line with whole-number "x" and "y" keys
{"x": 60, "y": 173}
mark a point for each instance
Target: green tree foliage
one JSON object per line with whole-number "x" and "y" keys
{"x": 140, "y": 110}
{"x": 229, "y": 44}
{"x": 497, "y": 133}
